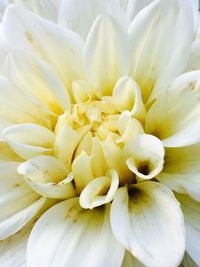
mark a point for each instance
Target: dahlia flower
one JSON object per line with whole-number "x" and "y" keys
{"x": 99, "y": 133}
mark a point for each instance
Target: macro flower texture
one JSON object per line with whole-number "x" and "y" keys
{"x": 100, "y": 133}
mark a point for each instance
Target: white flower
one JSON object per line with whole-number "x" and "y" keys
{"x": 99, "y": 134}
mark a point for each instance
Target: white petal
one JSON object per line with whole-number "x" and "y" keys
{"x": 27, "y": 31}
{"x": 100, "y": 191}
{"x": 13, "y": 249}
{"x": 194, "y": 59}
{"x": 45, "y": 8}
{"x": 106, "y": 54}
{"x": 64, "y": 148}
{"x": 145, "y": 156}
{"x": 15, "y": 194}
{"x": 13, "y": 224}
{"x": 48, "y": 177}
{"x": 79, "y": 15}
{"x": 181, "y": 171}
{"x": 74, "y": 237}
{"x": 17, "y": 106}
{"x": 29, "y": 140}
{"x": 82, "y": 170}
{"x": 116, "y": 160}
{"x": 35, "y": 75}
{"x": 174, "y": 117}
{"x": 191, "y": 210}
{"x": 130, "y": 261}
{"x": 7, "y": 154}
{"x": 127, "y": 96}
{"x": 128, "y": 127}
{"x": 159, "y": 48}
{"x": 147, "y": 219}
{"x": 135, "y": 6}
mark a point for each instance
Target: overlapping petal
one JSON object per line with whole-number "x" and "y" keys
{"x": 138, "y": 220}
{"x": 79, "y": 237}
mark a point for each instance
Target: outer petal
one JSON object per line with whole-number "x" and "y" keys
{"x": 79, "y": 15}
{"x": 175, "y": 115}
{"x": 194, "y": 59}
{"x": 135, "y": 6}
{"x": 17, "y": 106}
{"x": 27, "y": 31}
{"x": 74, "y": 237}
{"x": 45, "y": 8}
{"x": 18, "y": 202}
{"x": 7, "y": 154}
{"x": 191, "y": 210}
{"x": 106, "y": 54}
{"x": 181, "y": 171}
{"x": 36, "y": 76}
{"x": 159, "y": 48}
{"x": 13, "y": 249}
{"x": 29, "y": 140}
{"x": 139, "y": 223}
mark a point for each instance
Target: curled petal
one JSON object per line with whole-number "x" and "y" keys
{"x": 145, "y": 156}
{"x": 48, "y": 177}
{"x": 100, "y": 191}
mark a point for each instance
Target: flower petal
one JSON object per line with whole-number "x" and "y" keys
{"x": 29, "y": 140}
{"x": 191, "y": 211}
{"x": 27, "y": 31}
{"x": 194, "y": 59}
{"x": 145, "y": 156}
{"x": 100, "y": 191}
{"x": 78, "y": 15}
{"x": 13, "y": 189}
{"x": 139, "y": 223}
{"x": 159, "y": 48}
{"x": 17, "y": 106}
{"x": 127, "y": 96}
{"x": 85, "y": 233}
{"x": 48, "y": 177}
{"x": 13, "y": 249}
{"x": 174, "y": 117}
{"x": 106, "y": 54}
{"x": 7, "y": 154}
{"x": 45, "y": 8}
{"x": 181, "y": 171}
{"x": 36, "y": 76}
{"x": 135, "y": 6}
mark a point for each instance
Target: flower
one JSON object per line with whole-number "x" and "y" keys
{"x": 99, "y": 134}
